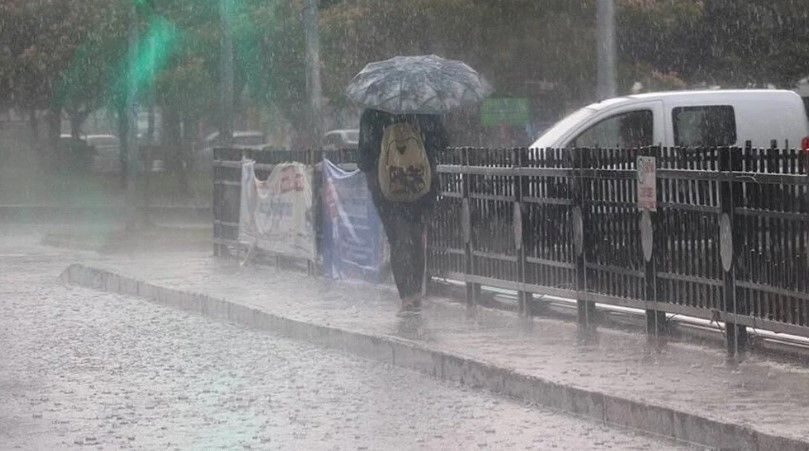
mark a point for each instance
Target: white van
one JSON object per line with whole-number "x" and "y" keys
{"x": 686, "y": 119}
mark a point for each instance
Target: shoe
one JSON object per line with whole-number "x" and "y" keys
{"x": 410, "y": 306}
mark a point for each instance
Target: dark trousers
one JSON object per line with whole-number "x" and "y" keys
{"x": 404, "y": 224}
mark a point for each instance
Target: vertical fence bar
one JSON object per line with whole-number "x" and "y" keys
{"x": 215, "y": 206}
{"x": 466, "y": 226}
{"x": 729, "y": 236}
{"x": 317, "y": 208}
{"x": 655, "y": 319}
{"x": 519, "y": 157}
{"x": 581, "y": 225}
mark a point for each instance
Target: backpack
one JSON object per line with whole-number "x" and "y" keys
{"x": 404, "y": 170}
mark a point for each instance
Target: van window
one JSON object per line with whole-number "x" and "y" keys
{"x": 626, "y": 130}
{"x": 704, "y": 126}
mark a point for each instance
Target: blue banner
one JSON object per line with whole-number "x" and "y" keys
{"x": 352, "y": 232}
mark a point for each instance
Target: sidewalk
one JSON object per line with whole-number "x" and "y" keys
{"x": 683, "y": 391}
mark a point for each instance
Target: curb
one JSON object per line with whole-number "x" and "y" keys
{"x": 66, "y": 213}
{"x": 626, "y": 413}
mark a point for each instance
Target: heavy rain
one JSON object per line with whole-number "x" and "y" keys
{"x": 413, "y": 224}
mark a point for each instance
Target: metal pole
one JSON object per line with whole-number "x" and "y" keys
{"x": 130, "y": 109}
{"x": 226, "y": 82}
{"x": 605, "y": 40}
{"x": 313, "y": 88}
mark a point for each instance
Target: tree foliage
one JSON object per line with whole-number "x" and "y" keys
{"x": 57, "y": 54}
{"x": 70, "y": 54}
{"x": 724, "y": 42}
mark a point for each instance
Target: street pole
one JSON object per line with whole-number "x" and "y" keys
{"x": 131, "y": 138}
{"x": 605, "y": 40}
{"x": 313, "y": 88}
{"x": 226, "y": 82}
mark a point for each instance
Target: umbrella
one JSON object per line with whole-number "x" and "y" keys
{"x": 425, "y": 84}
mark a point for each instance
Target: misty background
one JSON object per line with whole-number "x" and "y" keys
{"x": 68, "y": 67}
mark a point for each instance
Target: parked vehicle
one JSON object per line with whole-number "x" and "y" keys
{"x": 246, "y": 137}
{"x": 203, "y": 157}
{"x": 104, "y": 151}
{"x": 686, "y": 119}
{"x": 108, "y": 153}
{"x": 341, "y": 139}
{"x": 803, "y": 91}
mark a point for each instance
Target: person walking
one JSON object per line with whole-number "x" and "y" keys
{"x": 397, "y": 154}
{"x": 401, "y": 131}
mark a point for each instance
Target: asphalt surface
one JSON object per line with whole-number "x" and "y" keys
{"x": 81, "y": 369}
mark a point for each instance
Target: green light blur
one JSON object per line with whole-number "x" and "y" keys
{"x": 154, "y": 50}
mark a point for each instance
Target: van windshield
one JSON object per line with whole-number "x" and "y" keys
{"x": 551, "y": 137}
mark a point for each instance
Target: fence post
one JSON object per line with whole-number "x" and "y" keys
{"x": 655, "y": 320}
{"x": 585, "y": 308}
{"x": 520, "y": 188}
{"x": 317, "y": 208}
{"x": 216, "y": 205}
{"x": 729, "y": 237}
{"x": 472, "y": 289}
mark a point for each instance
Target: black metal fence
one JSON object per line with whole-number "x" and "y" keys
{"x": 729, "y": 241}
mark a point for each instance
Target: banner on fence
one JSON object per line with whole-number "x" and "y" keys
{"x": 647, "y": 183}
{"x": 353, "y": 241}
{"x": 276, "y": 214}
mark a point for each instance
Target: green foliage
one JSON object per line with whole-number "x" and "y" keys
{"x": 71, "y": 54}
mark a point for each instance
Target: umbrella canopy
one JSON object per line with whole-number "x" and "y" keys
{"x": 425, "y": 84}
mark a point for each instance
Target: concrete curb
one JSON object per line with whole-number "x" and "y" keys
{"x": 68, "y": 213}
{"x": 658, "y": 420}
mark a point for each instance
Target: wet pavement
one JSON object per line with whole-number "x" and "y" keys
{"x": 82, "y": 369}
{"x": 766, "y": 395}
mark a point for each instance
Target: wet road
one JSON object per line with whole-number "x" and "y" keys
{"x": 85, "y": 369}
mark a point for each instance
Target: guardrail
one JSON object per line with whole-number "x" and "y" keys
{"x": 729, "y": 241}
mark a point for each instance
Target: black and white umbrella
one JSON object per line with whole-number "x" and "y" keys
{"x": 425, "y": 84}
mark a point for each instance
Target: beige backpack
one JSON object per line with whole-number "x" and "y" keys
{"x": 404, "y": 170}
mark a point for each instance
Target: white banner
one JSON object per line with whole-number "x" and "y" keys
{"x": 276, "y": 214}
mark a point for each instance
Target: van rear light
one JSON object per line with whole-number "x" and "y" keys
{"x": 805, "y": 144}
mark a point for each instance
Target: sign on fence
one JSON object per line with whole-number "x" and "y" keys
{"x": 647, "y": 184}
{"x": 352, "y": 232}
{"x": 276, "y": 214}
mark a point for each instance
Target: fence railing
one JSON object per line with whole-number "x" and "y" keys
{"x": 729, "y": 241}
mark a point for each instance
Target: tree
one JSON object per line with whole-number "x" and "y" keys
{"x": 56, "y": 54}
{"x": 725, "y": 42}
{"x": 69, "y": 55}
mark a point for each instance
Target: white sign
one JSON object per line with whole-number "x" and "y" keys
{"x": 647, "y": 184}
{"x": 276, "y": 214}
{"x": 726, "y": 242}
{"x": 646, "y": 235}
